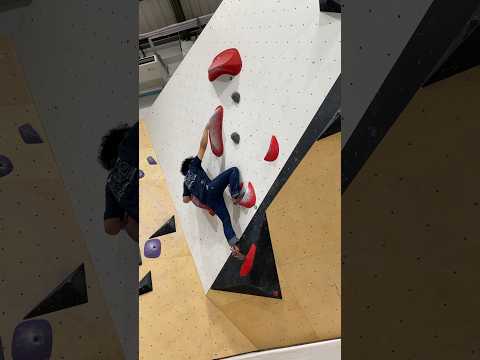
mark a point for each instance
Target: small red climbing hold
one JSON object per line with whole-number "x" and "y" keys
{"x": 201, "y": 205}
{"x": 273, "y": 150}
{"x": 215, "y": 131}
{"x": 249, "y": 198}
{"x": 248, "y": 263}
{"x": 228, "y": 62}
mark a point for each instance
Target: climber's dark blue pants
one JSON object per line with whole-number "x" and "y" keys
{"x": 215, "y": 201}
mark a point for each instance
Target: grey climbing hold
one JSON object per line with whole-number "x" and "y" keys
{"x": 236, "y": 97}
{"x": 235, "y": 138}
{"x": 141, "y": 174}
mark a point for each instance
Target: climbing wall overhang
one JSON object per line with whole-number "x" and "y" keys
{"x": 291, "y": 62}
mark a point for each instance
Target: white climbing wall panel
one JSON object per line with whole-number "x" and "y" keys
{"x": 291, "y": 59}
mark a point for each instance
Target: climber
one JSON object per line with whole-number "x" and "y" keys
{"x": 208, "y": 194}
{"x": 118, "y": 154}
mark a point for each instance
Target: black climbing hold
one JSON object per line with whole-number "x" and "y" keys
{"x": 29, "y": 134}
{"x": 151, "y": 160}
{"x": 141, "y": 174}
{"x": 235, "y": 138}
{"x": 330, "y": 6}
{"x": 236, "y": 97}
{"x": 32, "y": 339}
{"x": 167, "y": 228}
{"x": 71, "y": 292}
{"x": 139, "y": 259}
{"x": 6, "y": 166}
{"x": 145, "y": 284}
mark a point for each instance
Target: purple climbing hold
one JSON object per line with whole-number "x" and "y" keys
{"x": 141, "y": 174}
{"x": 151, "y": 160}
{"x": 29, "y": 134}
{"x": 6, "y": 166}
{"x": 32, "y": 339}
{"x": 153, "y": 248}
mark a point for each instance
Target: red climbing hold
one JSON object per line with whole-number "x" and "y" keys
{"x": 215, "y": 131}
{"x": 249, "y": 198}
{"x": 272, "y": 153}
{"x": 248, "y": 263}
{"x": 228, "y": 62}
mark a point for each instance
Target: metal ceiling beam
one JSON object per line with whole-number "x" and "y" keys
{"x": 178, "y": 10}
{"x": 6, "y": 5}
{"x": 176, "y": 28}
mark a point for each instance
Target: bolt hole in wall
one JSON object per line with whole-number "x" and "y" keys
{"x": 267, "y": 88}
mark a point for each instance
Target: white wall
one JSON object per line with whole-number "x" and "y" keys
{"x": 291, "y": 55}
{"x": 324, "y": 350}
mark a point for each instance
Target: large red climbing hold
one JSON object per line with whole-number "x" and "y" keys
{"x": 228, "y": 62}
{"x": 215, "y": 131}
{"x": 249, "y": 197}
{"x": 248, "y": 262}
{"x": 273, "y": 150}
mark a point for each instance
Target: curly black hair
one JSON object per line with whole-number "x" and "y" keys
{"x": 186, "y": 165}
{"x": 108, "y": 151}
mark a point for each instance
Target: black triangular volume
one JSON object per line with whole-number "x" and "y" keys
{"x": 263, "y": 278}
{"x": 167, "y": 228}
{"x": 330, "y": 6}
{"x": 2, "y": 354}
{"x": 464, "y": 57}
{"x": 145, "y": 284}
{"x": 71, "y": 292}
{"x": 334, "y": 127}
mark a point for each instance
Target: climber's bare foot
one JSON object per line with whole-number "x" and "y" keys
{"x": 237, "y": 253}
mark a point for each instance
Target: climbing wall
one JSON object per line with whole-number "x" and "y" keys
{"x": 41, "y": 243}
{"x": 82, "y": 68}
{"x": 291, "y": 59}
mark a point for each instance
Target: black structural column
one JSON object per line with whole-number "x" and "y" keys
{"x": 178, "y": 10}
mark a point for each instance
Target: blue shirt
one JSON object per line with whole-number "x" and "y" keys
{"x": 121, "y": 191}
{"x": 196, "y": 181}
